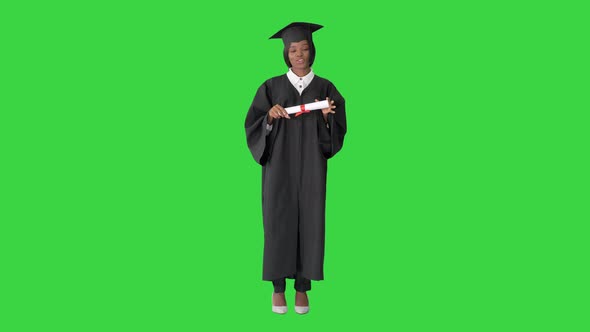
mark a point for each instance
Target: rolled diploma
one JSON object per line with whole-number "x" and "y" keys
{"x": 318, "y": 105}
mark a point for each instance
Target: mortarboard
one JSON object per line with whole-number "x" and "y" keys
{"x": 296, "y": 31}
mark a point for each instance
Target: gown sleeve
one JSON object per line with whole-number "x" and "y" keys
{"x": 331, "y": 137}
{"x": 258, "y": 136}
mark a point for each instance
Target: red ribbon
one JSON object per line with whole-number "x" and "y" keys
{"x": 303, "y": 110}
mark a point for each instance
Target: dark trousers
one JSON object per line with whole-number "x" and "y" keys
{"x": 301, "y": 285}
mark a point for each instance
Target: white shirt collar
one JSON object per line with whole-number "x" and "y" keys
{"x": 300, "y": 83}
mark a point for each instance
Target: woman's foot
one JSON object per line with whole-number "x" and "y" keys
{"x": 279, "y": 303}
{"x": 301, "y": 303}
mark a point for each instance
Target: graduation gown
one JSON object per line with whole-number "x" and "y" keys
{"x": 294, "y": 158}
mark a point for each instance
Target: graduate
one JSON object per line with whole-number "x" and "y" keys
{"x": 293, "y": 150}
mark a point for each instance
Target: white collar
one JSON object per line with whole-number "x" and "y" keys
{"x": 300, "y": 83}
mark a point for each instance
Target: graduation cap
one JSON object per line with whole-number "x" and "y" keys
{"x": 296, "y": 32}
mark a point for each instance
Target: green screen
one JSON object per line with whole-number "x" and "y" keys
{"x": 130, "y": 201}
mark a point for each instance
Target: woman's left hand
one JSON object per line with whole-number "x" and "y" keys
{"x": 326, "y": 111}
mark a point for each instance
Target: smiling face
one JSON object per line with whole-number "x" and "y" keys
{"x": 299, "y": 56}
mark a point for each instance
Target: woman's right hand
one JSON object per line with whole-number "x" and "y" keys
{"x": 277, "y": 111}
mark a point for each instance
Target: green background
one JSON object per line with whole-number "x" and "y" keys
{"x": 130, "y": 201}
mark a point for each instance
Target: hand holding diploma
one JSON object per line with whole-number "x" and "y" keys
{"x": 329, "y": 106}
{"x": 277, "y": 111}
{"x": 328, "y": 110}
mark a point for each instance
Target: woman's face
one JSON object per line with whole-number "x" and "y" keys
{"x": 299, "y": 54}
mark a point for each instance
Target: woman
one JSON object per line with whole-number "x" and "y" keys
{"x": 293, "y": 151}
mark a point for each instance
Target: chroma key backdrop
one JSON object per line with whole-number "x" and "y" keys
{"x": 130, "y": 201}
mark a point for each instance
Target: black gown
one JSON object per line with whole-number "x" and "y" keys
{"x": 294, "y": 158}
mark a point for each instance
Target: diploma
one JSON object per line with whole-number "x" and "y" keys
{"x": 306, "y": 108}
